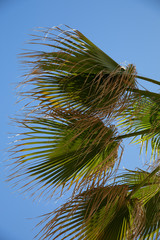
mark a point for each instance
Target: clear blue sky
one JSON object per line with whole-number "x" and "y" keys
{"x": 126, "y": 30}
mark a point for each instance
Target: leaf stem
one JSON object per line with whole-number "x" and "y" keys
{"x": 148, "y": 79}
{"x": 145, "y": 93}
{"x": 134, "y": 134}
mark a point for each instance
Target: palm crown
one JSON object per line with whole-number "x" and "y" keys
{"x": 85, "y": 105}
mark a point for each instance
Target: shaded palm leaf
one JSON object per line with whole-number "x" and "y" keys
{"x": 120, "y": 211}
{"x": 67, "y": 147}
{"x": 91, "y": 216}
{"x": 76, "y": 73}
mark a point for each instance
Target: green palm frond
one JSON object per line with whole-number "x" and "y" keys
{"x": 90, "y": 216}
{"x": 129, "y": 210}
{"x": 67, "y": 147}
{"x": 141, "y": 120}
{"x": 70, "y": 140}
{"x": 76, "y": 73}
{"x": 146, "y": 187}
{"x": 152, "y": 224}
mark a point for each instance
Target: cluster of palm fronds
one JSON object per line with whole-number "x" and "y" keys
{"x": 85, "y": 104}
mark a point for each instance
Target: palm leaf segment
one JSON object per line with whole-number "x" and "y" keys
{"x": 142, "y": 118}
{"x": 67, "y": 146}
{"x": 127, "y": 210}
{"x": 76, "y": 73}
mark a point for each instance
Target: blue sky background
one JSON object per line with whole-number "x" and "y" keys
{"x": 128, "y": 31}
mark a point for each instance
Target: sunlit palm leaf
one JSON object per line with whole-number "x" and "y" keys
{"x": 74, "y": 72}
{"x": 66, "y": 146}
{"x": 149, "y": 195}
{"x": 113, "y": 212}
{"x": 142, "y": 119}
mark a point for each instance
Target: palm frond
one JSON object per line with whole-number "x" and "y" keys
{"x": 76, "y": 73}
{"x": 149, "y": 195}
{"x": 142, "y": 118}
{"x": 66, "y": 148}
{"x": 85, "y": 216}
{"x": 110, "y": 212}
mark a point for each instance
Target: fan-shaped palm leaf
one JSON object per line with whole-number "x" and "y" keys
{"x": 67, "y": 146}
{"x": 121, "y": 211}
{"x": 75, "y": 72}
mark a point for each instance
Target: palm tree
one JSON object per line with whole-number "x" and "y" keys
{"x": 82, "y": 105}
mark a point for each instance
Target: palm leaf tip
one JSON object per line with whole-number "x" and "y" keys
{"x": 77, "y": 73}
{"x": 66, "y": 147}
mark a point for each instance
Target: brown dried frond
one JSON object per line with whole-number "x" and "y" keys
{"x": 117, "y": 87}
